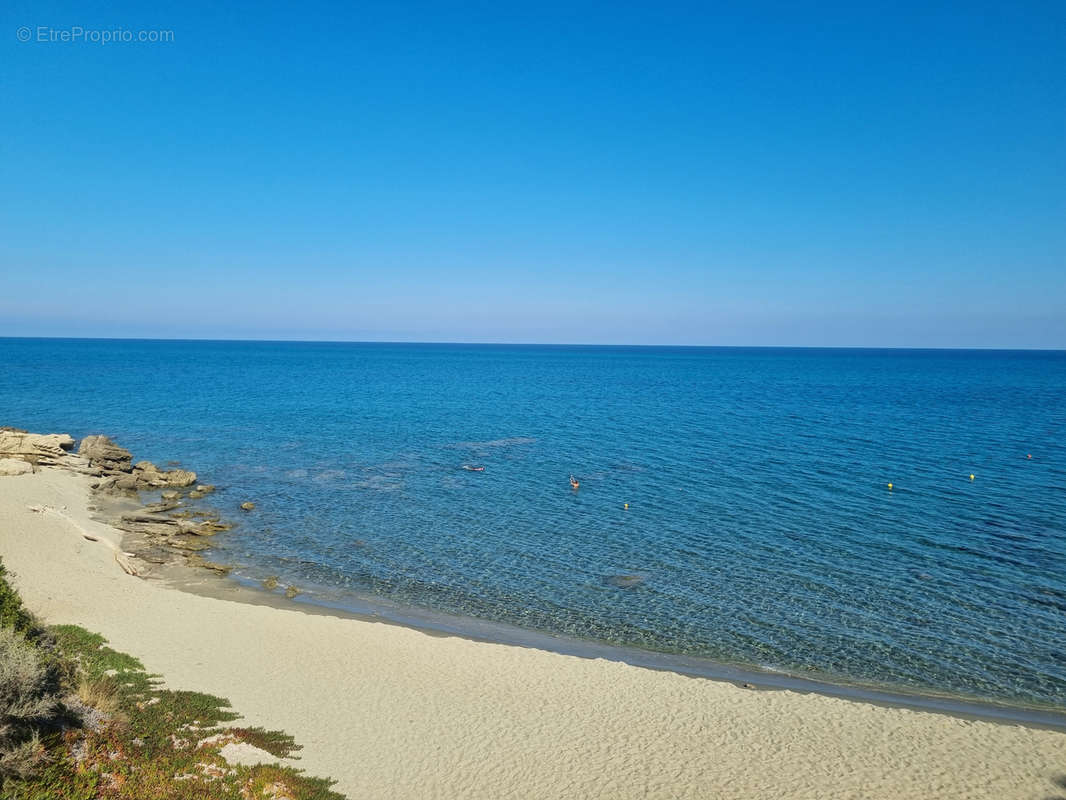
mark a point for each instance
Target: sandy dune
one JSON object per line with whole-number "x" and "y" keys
{"x": 395, "y": 713}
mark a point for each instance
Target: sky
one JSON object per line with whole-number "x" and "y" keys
{"x": 779, "y": 174}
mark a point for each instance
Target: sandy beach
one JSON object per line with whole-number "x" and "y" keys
{"x": 391, "y": 712}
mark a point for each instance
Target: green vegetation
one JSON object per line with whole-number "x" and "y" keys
{"x": 81, "y": 721}
{"x": 12, "y": 614}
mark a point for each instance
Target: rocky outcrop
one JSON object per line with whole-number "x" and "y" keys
{"x": 160, "y": 530}
{"x": 36, "y": 449}
{"x": 149, "y": 476}
{"x": 97, "y": 455}
{"x": 104, "y": 454}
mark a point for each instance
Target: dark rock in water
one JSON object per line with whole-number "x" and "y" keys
{"x": 624, "y": 581}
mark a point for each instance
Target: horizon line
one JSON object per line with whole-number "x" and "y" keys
{"x": 525, "y": 344}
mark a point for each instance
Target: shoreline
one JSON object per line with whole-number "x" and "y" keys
{"x": 437, "y": 623}
{"x": 475, "y": 630}
{"x": 392, "y": 711}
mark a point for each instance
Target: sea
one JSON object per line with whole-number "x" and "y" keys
{"x": 889, "y": 519}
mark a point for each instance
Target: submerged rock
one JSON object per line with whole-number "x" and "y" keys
{"x": 624, "y": 581}
{"x": 247, "y": 506}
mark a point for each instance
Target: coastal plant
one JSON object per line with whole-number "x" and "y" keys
{"x": 158, "y": 742}
{"x": 28, "y": 705}
{"x": 136, "y": 739}
{"x": 12, "y": 613}
{"x": 276, "y": 743}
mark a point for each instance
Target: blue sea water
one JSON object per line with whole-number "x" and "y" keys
{"x": 760, "y": 525}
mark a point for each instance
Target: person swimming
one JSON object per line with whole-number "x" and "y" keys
{"x": 573, "y": 482}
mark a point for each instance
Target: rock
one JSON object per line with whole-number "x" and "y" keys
{"x": 205, "y": 488}
{"x": 170, "y": 495}
{"x": 291, "y": 592}
{"x": 36, "y": 448}
{"x": 159, "y": 508}
{"x": 247, "y": 506}
{"x": 149, "y": 524}
{"x": 748, "y": 685}
{"x": 14, "y": 466}
{"x": 145, "y": 466}
{"x": 208, "y": 528}
{"x": 215, "y": 526}
{"x": 221, "y": 569}
{"x": 271, "y": 582}
{"x": 179, "y": 477}
{"x": 194, "y": 495}
{"x": 624, "y": 581}
{"x": 126, "y": 482}
{"x": 188, "y": 542}
{"x": 105, "y": 454}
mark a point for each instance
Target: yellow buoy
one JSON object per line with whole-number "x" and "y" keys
{"x": 971, "y": 476}
{"x": 890, "y": 487}
{"x": 626, "y": 506}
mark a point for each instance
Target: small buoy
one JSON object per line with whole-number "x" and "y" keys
{"x": 971, "y": 476}
{"x": 890, "y": 487}
{"x": 1030, "y": 455}
{"x": 626, "y": 506}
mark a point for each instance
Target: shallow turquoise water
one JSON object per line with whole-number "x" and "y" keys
{"x": 759, "y": 520}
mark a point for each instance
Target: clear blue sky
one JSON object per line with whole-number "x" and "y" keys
{"x": 572, "y": 172}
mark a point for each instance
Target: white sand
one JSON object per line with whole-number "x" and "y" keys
{"x": 394, "y": 713}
